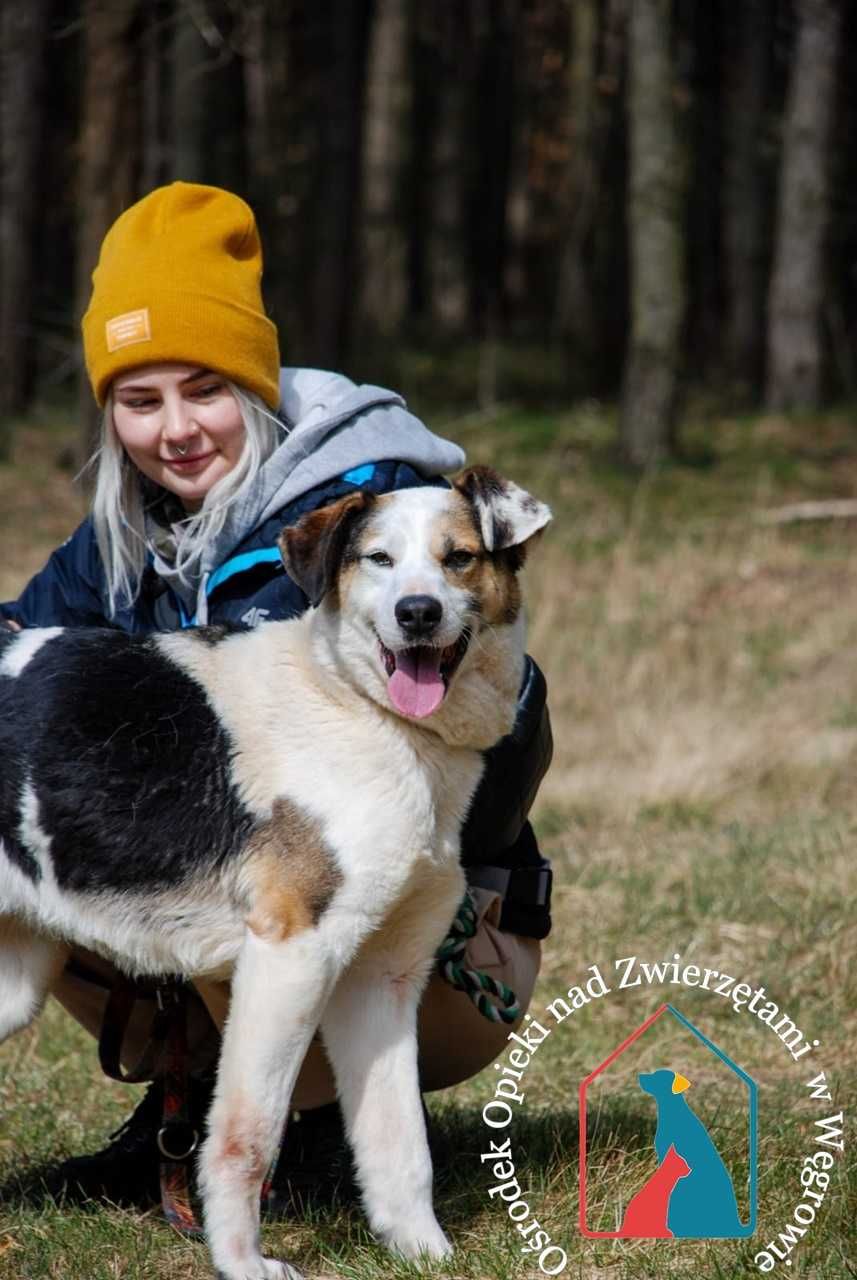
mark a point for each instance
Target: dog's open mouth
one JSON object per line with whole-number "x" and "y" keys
{"x": 419, "y": 676}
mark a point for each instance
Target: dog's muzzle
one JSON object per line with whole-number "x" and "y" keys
{"x": 418, "y": 616}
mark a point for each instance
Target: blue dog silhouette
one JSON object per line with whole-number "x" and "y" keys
{"x": 703, "y": 1204}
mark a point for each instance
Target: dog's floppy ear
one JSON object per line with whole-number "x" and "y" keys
{"x": 507, "y": 515}
{"x": 312, "y": 549}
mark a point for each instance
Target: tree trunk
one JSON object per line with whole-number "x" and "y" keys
{"x": 574, "y": 299}
{"x": 155, "y": 158}
{"x": 191, "y": 62}
{"x": 282, "y": 163}
{"x": 109, "y": 152}
{"x": 746, "y": 195}
{"x": 494, "y": 120}
{"x": 798, "y": 278}
{"x": 656, "y": 240}
{"x": 383, "y": 292}
{"x": 257, "y": 97}
{"x": 22, "y": 39}
{"x": 448, "y": 52}
{"x": 340, "y": 37}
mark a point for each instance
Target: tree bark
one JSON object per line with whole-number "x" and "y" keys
{"x": 22, "y": 40}
{"x": 746, "y": 208}
{"x": 156, "y": 38}
{"x": 448, "y": 51}
{"x": 795, "y": 353}
{"x": 283, "y": 162}
{"x": 191, "y": 60}
{"x": 109, "y": 152}
{"x": 656, "y": 240}
{"x": 383, "y": 266}
{"x": 574, "y": 299}
{"x": 340, "y": 38}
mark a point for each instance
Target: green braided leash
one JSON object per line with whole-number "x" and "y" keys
{"x": 493, "y": 999}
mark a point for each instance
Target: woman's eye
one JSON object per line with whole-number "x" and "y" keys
{"x": 381, "y": 558}
{"x": 459, "y": 559}
{"x": 210, "y": 389}
{"x": 145, "y": 404}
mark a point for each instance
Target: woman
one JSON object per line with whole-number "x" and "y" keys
{"x": 208, "y": 449}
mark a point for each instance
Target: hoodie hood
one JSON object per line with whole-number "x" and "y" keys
{"x": 333, "y": 426}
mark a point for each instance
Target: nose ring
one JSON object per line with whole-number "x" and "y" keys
{"x": 181, "y": 449}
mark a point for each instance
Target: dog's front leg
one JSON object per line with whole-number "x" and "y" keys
{"x": 278, "y": 992}
{"x": 370, "y": 1033}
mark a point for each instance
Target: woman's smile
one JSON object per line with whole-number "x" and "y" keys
{"x": 191, "y": 463}
{"x": 180, "y": 425}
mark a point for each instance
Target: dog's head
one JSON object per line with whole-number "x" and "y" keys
{"x": 420, "y": 596}
{"x": 663, "y": 1083}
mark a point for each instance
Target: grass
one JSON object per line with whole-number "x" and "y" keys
{"x": 701, "y": 802}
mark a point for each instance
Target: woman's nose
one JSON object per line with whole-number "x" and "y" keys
{"x": 179, "y": 421}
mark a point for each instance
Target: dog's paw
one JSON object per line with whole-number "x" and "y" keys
{"x": 420, "y": 1242}
{"x": 281, "y": 1270}
{"x": 271, "y": 1270}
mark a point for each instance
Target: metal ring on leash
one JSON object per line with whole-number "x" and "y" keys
{"x": 177, "y": 1155}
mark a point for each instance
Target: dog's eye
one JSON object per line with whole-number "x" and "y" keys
{"x": 381, "y": 558}
{"x": 459, "y": 559}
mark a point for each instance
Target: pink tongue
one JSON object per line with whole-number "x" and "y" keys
{"x": 416, "y": 687}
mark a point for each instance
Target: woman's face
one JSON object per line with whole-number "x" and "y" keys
{"x": 180, "y": 425}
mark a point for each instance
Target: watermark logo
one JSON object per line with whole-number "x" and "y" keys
{"x": 669, "y": 1092}
{"x": 690, "y": 1194}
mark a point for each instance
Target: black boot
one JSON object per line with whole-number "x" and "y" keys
{"x": 127, "y": 1170}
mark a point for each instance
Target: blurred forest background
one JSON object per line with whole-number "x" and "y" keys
{"x": 537, "y": 200}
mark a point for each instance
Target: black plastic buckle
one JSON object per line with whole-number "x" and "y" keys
{"x": 523, "y": 886}
{"x": 530, "y": 886}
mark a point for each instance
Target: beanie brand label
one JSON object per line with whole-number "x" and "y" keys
{"x": 133, "y": 326}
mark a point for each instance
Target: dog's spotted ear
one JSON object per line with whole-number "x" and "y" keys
{"x": 507, "y": 515}
{"x": 314, "y": 548}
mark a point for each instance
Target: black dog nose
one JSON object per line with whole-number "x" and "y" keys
{"x": 418, "y": 615}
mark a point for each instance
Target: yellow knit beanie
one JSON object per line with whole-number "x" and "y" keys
{"x": 178, "y": 279}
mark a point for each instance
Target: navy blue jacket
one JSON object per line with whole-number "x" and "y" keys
{"x": 252, "y": 586}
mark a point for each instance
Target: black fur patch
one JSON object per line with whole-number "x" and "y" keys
{"x": 501, "y": 532}
{"x": 130, "y": 765}
{"x": 215, "y": 632}
{"x": 12, "y": 772}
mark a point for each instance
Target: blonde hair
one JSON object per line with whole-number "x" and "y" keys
{"x": 121, "y": 500}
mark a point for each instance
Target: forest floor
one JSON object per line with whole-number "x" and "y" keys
{"x": 701, "y": 803}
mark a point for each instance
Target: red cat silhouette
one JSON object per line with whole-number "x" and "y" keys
{"x": 646, "y": 1214}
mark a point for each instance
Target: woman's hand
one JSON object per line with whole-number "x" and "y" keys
{"x": 10, "y": 625}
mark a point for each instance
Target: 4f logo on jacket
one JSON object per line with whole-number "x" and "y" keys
{"x": 254, "y": 616}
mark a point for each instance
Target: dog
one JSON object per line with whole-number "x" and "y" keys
{"x": 702, "y": 1203}
{"x": 281, "y": 807}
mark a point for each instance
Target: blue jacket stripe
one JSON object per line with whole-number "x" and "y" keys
{"x": 239, "y": 564}
{"x": 360, "y": 475}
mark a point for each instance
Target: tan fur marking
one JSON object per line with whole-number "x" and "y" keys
{"x": 292, "y": 872}
{"x": 489, "y": 578}
{"x": 241, "y": 1148}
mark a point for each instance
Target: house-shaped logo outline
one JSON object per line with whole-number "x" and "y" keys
{"x": 753, "y": 1091}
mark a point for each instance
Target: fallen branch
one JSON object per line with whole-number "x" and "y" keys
{"x": 831, "y": 509}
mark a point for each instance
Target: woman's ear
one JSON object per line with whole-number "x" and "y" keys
{"x": 314, "y": 548}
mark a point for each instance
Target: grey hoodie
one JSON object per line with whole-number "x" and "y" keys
{"x": 333, "y": 426}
